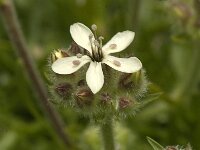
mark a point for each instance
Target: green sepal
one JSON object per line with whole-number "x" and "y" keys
{"x": 154, "y": 144}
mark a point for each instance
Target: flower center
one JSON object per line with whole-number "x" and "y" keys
{"x": 96, "y": 46}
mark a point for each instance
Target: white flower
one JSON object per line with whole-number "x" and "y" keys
{"x": 97, "y": 55}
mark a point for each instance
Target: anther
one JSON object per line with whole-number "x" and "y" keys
{"x": 116, "y": 63}
{"x": 96, "y": 43}
{"x": 94, "y": 27}
{"x": 113, "y": 46}
{"x": 79, "y": 55}
{"x": 101, "y": 38}
{"x": 76, "y": 62}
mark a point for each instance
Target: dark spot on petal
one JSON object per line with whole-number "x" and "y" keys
{"x": 76, "y": 62}
{"x": 113, "y": 46}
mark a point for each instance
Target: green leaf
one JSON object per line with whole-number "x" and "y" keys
{"x": 154, "y": 144}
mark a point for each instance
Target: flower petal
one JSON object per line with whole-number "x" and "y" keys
{"x": 127, "y": 65}
{"x": 119, "y": 42}
{"x": 95, "y": 77}
{"x": 80, "y": 34}
{"x": 68, "y": 65}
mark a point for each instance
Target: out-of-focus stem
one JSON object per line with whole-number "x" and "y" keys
{"x": 134, "y": 8}
{"x": 193, "y": 72}
{"x": 107, "y": 135}
{"x": 194, "y": 69}
{"x": 197, "y": 7}
{"x": 15, "y": 34}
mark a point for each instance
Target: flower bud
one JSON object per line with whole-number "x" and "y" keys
{"x": 135, "y": 83}
{"x": 84, "y": 97}
{"x": 105, "y": 99}
{"x": 124, "y": 103}
{"x": 63, "y": 89}
{"x": 58, "y": 54}
{"x": 81, "y": 83}
{"x": 171, "y": 148}
{"x": 130, "y": 80}
{"x": 125, "y": 80}
{"x": 182, "y": 10}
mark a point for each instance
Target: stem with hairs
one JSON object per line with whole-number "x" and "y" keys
{"x": 107, "y": 135}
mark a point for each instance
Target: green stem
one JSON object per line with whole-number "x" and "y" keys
{"x": 194, "y": 72}
{"x": 107, "y": 135}
{"x": 190, "y": 81}
{"x": 133, "y": 8}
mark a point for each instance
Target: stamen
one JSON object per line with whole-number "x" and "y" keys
{"x": 113, "y": 46}
{"x": 90, "y": 36}
{"x": 100, "y": 45}
{"x": 96, "y": 43}
{"x": 116, "y": 63}
{"x": 76, "y": 62}
{"x": 94, "y": 27}
{"x": 79, "y": 55}
{"x": 101, "y": 38}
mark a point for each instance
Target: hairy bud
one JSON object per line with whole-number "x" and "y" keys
{"x": 58, "y": 54}
{"x": 84, "y": 97}
{"x": 188, "y": 147}
{"x": 105, "y": 99}
{"x": 125, "y": 80}
{"x": 135, "y": 82}
{"x": 171, "y": 148}
{"x": 81, "y": 83}
{"x": 124, "y": 103}
{"x": 182, "y": 10}
{"x": 63, "y": 89}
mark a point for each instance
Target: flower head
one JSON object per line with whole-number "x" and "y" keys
{"x": 97, "y": 55}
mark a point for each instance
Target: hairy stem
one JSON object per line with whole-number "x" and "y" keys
{"x": 107, "y": 135}
{"x": 17, "y": 39}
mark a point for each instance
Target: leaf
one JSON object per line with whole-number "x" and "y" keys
{"x": 154, "y": 144}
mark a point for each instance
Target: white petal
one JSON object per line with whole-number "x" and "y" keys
{"x": 119, "y": 42}
{"x": 127, "y": 65}
{"x": 95, "y": 77}
{"x": 68, "y": 65}
{"x": 80, "y": 34}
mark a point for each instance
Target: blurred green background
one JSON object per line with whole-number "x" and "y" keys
{"x": 167, "y": 41}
